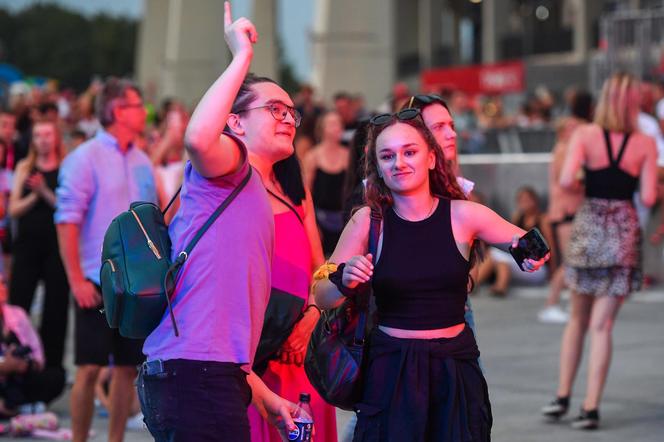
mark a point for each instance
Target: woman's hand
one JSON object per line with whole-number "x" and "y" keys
{"x": 531, "y": 265}
{"x": 240, "y": 34}
{"x": 36, "y": 183}
{"x": 357, "y": 270}
{"x": 295, "y": 347}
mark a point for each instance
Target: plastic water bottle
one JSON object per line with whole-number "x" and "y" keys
{"x": 303, "y": 419}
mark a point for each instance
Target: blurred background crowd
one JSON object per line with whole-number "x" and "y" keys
{"x": 53, "y": 59}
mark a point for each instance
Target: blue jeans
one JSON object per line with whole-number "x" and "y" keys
{"x": 470, "y": 320}
{"x": 184, "y": 400}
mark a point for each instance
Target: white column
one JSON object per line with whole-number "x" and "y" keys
{"x": 150, "y": 48}
{"x": 425, "y": 35}
{"x": 353, "y": 48}
{"x": 495, "y": 14}
{"x": 182, "y": 47}
{"x": 265, "y": 61}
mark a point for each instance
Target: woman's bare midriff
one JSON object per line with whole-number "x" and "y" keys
{"x": 447, "y": 332}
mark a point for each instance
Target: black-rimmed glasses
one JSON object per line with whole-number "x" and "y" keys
{"x": 279, "y": 111}
{"x": 403, "y": 115}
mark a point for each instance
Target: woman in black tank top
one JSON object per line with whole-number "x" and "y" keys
{"x": 36, "y": 255}
{"x": 423, "y": 381}
{"x": 324, "y": 169}
{"x": 603, "y": 256}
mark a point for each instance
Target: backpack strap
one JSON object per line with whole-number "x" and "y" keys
{"x": 374, "y": 236}
{"x": 184, "y": 255}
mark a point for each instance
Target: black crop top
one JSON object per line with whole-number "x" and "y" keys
{"x": 611, "y": 182}
{"x": 421, "y": 279}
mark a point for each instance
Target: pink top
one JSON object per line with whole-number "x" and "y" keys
{"x": 17, "y": 321}
{"x": 291, "y": 262}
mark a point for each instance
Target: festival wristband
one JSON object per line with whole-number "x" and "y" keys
{"x": 336, "y": 278}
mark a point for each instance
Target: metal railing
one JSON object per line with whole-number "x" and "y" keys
{"x": 632, "y": 41}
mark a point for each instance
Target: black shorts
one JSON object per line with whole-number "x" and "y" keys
{"x": 95, "y": 342}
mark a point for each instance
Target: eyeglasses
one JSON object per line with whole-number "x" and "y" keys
{"x": 426, "y": 99}
{"x": 279, "y": 111}
{"x": 403, "y": 115}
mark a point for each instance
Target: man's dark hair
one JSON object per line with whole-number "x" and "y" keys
{"x": 247, "y": 94}
{"x": 289, "y": 174}
{"x": 582, "y": 105}
{"x": 47, "y": 107}
{"x": 342, "y": 96}
{"x": 113, "y": 93}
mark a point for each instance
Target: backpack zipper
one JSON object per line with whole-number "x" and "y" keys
{"x": 112, "y": 266}
{"x": 147, "y": 238}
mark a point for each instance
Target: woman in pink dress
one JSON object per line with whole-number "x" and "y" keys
{"x": 297, "y": 252}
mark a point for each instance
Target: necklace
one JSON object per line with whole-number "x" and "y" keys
{"x": 433, "y": 205}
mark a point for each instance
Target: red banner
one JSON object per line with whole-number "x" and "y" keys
{"x": 499, "y": 78}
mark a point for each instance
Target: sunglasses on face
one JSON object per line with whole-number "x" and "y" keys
{"x": 279, "y": 111}
{"x": 403, "y": 115}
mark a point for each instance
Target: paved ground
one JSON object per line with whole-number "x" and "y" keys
{"x": 520, "y": 358}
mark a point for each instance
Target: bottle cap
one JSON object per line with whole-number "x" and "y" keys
{"x": 305, "y": 397}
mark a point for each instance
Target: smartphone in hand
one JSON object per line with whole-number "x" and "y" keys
{"x": 532, "y": 245}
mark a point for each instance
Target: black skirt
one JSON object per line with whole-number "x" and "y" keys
{"x": 424, "y": 390}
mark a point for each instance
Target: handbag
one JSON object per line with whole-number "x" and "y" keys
{"x": 283, "y": 311}
{"x": 137, "y": 275}
{"x": 336, "y": 351}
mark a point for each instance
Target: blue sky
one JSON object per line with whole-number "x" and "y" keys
{"x": 294, "y": 22}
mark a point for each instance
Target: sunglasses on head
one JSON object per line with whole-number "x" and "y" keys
{"x": 425, "y": 99}
{"x": 403, "y": 115}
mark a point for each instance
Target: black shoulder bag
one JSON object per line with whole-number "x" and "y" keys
{"x": 337, "y": 346}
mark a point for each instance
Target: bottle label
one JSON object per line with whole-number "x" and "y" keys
{"x": 302, "y": 432}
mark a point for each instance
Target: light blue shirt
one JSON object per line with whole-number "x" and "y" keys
{"x": 96, "y": 183}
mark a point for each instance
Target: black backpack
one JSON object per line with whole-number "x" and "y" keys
{"x": 336, "y": 353}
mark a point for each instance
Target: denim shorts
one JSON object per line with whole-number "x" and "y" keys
{"x": 184, "y": 400}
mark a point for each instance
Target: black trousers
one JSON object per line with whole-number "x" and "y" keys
{"x": 36, "y": 261}
{"x": 33, "y": 386}
{"x": 194, "y": 401}
{"x": 418, "y": 390}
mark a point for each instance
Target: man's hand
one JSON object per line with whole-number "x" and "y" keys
{"x": 240, "y": 34}
{"x": 86, "y": 294}
{"x": 295, "y": 347}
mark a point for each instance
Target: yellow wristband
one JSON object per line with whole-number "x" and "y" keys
{"x": 324, "y": 271}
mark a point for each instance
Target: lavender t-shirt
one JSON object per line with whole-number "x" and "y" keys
{"x": 224, "y": 286}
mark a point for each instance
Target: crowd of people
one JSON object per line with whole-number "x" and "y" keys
{"x": 70, "y": 164}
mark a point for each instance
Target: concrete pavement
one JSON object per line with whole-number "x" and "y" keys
{"x": 520, "y": 358}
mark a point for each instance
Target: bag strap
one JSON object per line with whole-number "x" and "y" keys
{"x": 374, "y": 236}
{"x": 184, "y": 255}
{"x": 168, "y": 206}
{"x": 287, "y": 204}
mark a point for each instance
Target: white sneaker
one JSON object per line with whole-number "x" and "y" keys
{"x": 135, "y": 423}
{"x": 553, "y": 314}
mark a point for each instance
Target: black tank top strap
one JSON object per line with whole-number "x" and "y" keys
{"x": 609, "y": 150}
{"x": 623, "y": 147}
